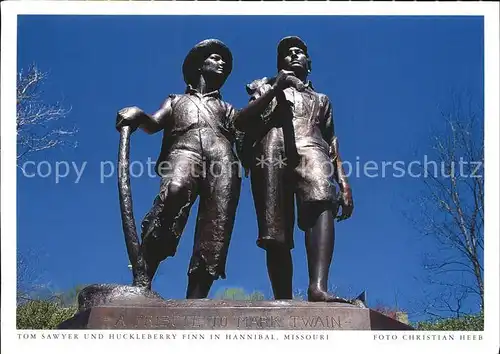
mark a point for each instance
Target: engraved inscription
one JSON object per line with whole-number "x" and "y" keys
{"x": 259, "y": 322}
{"x": 121, "y": 321}
{"x": 217, "y": 321}
{"x": 164, "y": 322}
{"x": 193, "y": 321}
{"x": 171, "y": 322}
{"x": 144, "y": 321}
{"x": 127, "y": 320}
{"x": 315, "y": 322}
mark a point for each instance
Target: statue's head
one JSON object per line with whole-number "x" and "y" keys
{"x": 211, "y": 59}
{"x": 293, "y": 56}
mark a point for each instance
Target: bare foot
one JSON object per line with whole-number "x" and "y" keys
{"x": 318, "y": 295}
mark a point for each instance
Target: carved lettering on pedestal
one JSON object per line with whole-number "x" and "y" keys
{"x": 335, "y": 323}
{"x": 144, "y": 321}
{"x": 192, "y": 321}
{"x": 259, "y": 322}
{"x": 276, "y": 322}
{"x": 317, "y": 322}
{"x": 120, "y": 323}
{"x": 137, "y": 320}
{"x": 164, "y": 322}
{"x": 218, "y": 321}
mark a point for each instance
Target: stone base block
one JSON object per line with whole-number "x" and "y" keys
{"x": 232, "y": 315}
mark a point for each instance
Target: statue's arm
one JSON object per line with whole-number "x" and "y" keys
{"x": 334, "y": 152}
{"x": 262, "y": 92}
{"x": 261, "y": 95}
{"x": 157, "y": 121}
{"x": 149, "y": 123}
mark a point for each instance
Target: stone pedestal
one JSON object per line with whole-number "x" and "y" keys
{"x": 231, "y": 315}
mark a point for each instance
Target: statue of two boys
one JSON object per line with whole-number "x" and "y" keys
{"x": 286, "y": 141}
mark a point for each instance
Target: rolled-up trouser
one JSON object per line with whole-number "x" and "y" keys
{"x": 277, "y": 187}
{"x": 188, "y": 176}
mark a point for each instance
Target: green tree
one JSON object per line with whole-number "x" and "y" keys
{"x": 42, "y": 314}
{"x": 464, "y": 323}
{"x": 238, "y": 294}
{"x": 256, "y": 296}
{"x": 46, "y": 309}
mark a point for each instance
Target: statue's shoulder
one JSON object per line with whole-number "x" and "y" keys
{"x": 323, "y": 98}
{"x": 258, "y": 85}
{"x": 174, "y": 97}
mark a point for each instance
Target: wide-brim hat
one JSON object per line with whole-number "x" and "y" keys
{"x": 199, "y": 53}
{"x": 286, "y": 43}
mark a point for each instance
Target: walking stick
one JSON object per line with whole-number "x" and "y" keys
{"x": 132, "y": 242}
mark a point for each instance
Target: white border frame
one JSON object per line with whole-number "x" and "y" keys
{"x": 351, "y": 340}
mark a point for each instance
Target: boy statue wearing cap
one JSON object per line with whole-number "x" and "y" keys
{"x": 197, "y": 159}
{"x": 291, "y": 152}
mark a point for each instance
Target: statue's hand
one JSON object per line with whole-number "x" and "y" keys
{"x": 346, "y": 203}
{"x": 286, "y": 79}
{"x": 129, "y": 116}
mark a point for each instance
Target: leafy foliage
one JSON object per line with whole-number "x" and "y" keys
{"x": 42, "y": 314}
{"x": 40, "y": 310}
{"x": 238, "y": 294}
{"x": 464, "y": 323}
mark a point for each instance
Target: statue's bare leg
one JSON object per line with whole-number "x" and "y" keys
{"x": 320, "y": 240}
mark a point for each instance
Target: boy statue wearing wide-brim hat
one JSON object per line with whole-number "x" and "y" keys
{"x": 197, "y": 158}
{"x": 291, "y": 152}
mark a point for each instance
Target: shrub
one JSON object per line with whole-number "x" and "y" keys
{"x": 42, "y": 314}
{"x": 466, "y": 323}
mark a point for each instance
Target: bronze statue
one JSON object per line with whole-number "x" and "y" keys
{"x": 197, "y": 158}
{"x": 291, "y": 152}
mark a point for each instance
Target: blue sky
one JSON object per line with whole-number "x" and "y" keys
{"x": 386, "y": 77}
